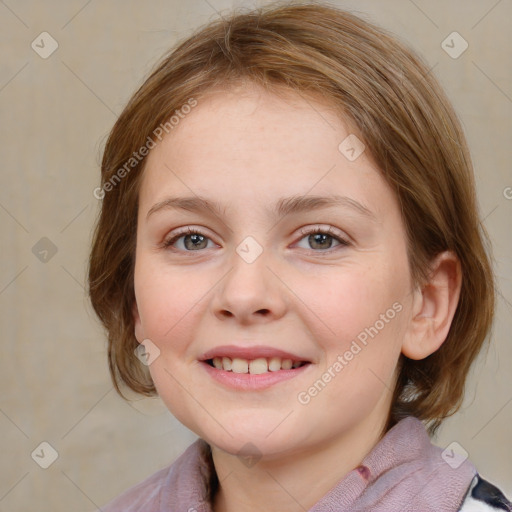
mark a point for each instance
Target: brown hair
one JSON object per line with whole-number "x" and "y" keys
{"x": 401, "y": 114}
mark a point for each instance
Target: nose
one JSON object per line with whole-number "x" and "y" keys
{"x": 250, "y": 292}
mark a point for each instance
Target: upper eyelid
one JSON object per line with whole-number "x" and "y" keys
{"x": 186, "y": 230}
{"x": 336, "y": 232}
{"x": 342, "y": 237}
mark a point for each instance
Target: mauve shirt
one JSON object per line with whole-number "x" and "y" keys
{"x": 403, "y": 472}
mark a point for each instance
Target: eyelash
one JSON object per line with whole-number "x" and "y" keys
{"x": 304, "y": 232}
{"x": 324, "y": 231}
{"x": 179, "y": 234}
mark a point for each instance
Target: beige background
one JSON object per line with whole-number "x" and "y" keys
{"x": 55, "y": 116}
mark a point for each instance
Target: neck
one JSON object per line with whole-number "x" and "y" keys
{"x": 296, "y": 481}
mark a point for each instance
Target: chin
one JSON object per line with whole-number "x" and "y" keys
{"x": 250, "y": 438}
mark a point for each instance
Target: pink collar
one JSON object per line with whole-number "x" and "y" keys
{"x": 404, "y": 471}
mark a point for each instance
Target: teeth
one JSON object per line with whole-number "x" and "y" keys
{"x": 257, "y": 366}
{"x": 239, "y": 365}
{"x": 274, "y": 364}
{"x": 254, "y": 366}
{"x": 287, "y": 364}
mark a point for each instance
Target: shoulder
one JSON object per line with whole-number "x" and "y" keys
{"x": 482, "y": 496}
{"x": 144, "y": 494}
{"x": 165, "y": 487}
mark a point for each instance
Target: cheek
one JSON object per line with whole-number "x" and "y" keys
{"x": 364, "y": 310}
{"x": 353, "y": 301}
{"x": 166, "y": 303}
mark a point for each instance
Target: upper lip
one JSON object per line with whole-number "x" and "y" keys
{"x": 249, "y": 353}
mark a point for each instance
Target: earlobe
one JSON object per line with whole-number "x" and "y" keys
{"x": 137, "y": 322}
{"x": 434, "y": 307}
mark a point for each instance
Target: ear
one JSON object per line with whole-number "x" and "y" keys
{"x": 139, "y": 334}
{"x": 434, "y": 307}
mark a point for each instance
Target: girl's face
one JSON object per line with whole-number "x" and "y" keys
{"x": 288, "y": 246}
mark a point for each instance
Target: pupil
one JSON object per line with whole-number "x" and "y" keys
{"x": 319, "y": 238}
{"x": 196, "y": 240}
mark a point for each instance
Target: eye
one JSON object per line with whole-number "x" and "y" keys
{"x": 193, "y": 240}
{"x": 322, "y": 238}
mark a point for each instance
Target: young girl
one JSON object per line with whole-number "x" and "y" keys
{"x": 289, "y": 253}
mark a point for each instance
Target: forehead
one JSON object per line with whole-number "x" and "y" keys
{"x": 256, "y": 143}
{"x": 246, "y": 121}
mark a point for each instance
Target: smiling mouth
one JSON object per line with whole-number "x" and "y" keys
{"x": 254, "y": 366}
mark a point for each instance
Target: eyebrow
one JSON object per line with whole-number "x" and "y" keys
{"x": 283, "y": 207}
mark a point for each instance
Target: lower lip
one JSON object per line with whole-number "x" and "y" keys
{"x": 251, "y": 382}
